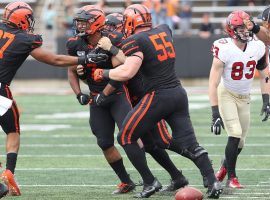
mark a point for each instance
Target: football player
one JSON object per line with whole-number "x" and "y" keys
{"x": 17, "y": 42}
{"x": 232, "y": 72}
{"x": 151, "y": 50}
{"x": 109, "y": 103}
{"x": 152, "y": 144}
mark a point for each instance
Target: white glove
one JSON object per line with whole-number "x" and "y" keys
{"x": 105, "y": 43}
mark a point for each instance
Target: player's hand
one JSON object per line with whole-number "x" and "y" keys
{"x": 249, "y": 24}
{"x": 217, "y": 122}
{"x": 265, "y": 107}
{"x": 100, "y": 99}
{"x": 96, "y": 58}
{"x": 98, "y": 75}
{"x": 84, "y": 99}
{"x": 105, "y": 43}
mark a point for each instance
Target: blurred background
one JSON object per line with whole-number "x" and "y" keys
{"x": 195, "y": 24}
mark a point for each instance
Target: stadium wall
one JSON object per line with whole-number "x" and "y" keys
{"x": 193, "y": 60}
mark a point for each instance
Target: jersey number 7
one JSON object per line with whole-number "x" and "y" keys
{"x": 5, "y": 35}
{"x": 166, "y": 47}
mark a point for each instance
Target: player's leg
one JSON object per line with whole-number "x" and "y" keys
{"x": 150, "y": 141}
{"x": 230, "y": 115}
{"x": 185, "y": 143}
{"x": 137, "y": 123}
{"x": 102, "y": 125}
{"x": 10, "y": 125}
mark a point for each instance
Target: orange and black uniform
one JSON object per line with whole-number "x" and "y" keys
{"x": 165, "y": 98}
{"x": 136, "y": 92}
{"x": 15, "y": 47}
{"x": 102, "y": 118}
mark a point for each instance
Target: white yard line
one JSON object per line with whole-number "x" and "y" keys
{"x": 117, "y": 145}
{"x": 109, "y": 169}
{"x": 101, "y": 155}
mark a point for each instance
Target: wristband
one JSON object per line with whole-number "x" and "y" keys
{"x": 256, "y": 28}
{"x": 81, "y": 60}
{"x": 106, "y": 73}
{"x": 114, "y": 50}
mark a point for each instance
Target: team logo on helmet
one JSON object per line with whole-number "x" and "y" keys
{"x": 19, "y": 14}
{"x": 135, "y": 16}
{"x": 88, "y": 20}
{"x": 235, "y": 26}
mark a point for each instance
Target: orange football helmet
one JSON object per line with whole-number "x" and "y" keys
{"x": 136, "y": 15}
{"x": 88, "y": 20}
{"x": 20, "y": 15}
{"x": 235, "y": 26}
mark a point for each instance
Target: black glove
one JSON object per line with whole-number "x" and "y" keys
{"x": 83, "y": 99}
{"x": 96, "y": 58}
{"x": 100, "y": 99}
{"x": 265, "y": 107}
{"x": 217, "y": 122}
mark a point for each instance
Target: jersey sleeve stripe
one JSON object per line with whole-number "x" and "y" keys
{"x": 132, "y": 41}
{"x": 129, "y": 50}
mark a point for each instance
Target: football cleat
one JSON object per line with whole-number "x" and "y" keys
{"x": 3, "y": 190}
{"x": 214, "y": 190}
{"x": 9, "y": 179}
{"x": 234, "y": 183}
{"x": 175, "y": 184}
{"x": 123, "y": 188}
{"x": 149, "y": 189}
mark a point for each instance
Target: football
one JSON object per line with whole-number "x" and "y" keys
{"x": 188, "y": 193}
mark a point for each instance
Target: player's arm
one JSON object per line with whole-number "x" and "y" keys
{"x": 261, "y": 32}
{"x": 73, "y": 79}
{"x": 50, "y": 58}
{"x": 123, "y": 72}
{"x": 118, "y": 57}
{"x": 263, "y": 68}
{"x": 214, "y": 80}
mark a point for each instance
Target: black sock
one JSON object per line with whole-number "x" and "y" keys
{"x": 163, "y": 159}
{"x": 137, "y": 158}
{"x": 204, "y": 164}
{"x": 225, "y": 162}
{"x": 120, "y": 170}
{"x": 11, "y": 161}
{"x": 231, "y": 152}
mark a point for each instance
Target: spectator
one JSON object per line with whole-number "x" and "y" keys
{"x": 185, "y": 16}
{"x": 172, "y": 7}
{"x": 68, "y": 20}
{"x": 127, "y": 3}
{"x": 49, "y": 17}
{"x": 206, "y": 29}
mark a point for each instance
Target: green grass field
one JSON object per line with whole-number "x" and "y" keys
{"x": 59, "y": 158}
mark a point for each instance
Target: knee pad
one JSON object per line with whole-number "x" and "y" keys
{"x": 104, "y": 144}
{"x": 194, "y": 152}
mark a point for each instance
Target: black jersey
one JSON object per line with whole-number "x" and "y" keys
{"x": 78, "y": 46}
{"x": 15, "y": 47}
{"x": 157, "y": 68}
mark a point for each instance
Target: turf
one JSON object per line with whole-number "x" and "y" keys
{"x": 65, "y": 163}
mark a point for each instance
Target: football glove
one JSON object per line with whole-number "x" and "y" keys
{"x": 84, "y": 99}
{"x": 265, "y": 107}
{"x": 96, "y": 58}
{"x": 100, "y": 99}
{"x": 217, "y": 122}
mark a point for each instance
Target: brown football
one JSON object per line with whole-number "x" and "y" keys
{"x": 189, "y": 193}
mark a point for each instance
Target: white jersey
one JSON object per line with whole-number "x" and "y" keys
{"x": 239, "y": 66}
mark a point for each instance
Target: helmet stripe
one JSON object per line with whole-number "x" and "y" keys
{"x": 19, "y": 7}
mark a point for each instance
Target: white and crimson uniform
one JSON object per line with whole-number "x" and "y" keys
{"x": 236, "y": 82}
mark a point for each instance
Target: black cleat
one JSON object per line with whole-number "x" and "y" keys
{"x": 177, "y": 183}
{"x": 123, "y": 188}
{"x": 205, "y": 182}
{"x": 149, "y": 189}
{"x": 3, "y": 190}
{"x": 214, "y": 190}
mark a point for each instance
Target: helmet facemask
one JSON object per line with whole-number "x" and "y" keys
{"x": 243, "y": 34}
